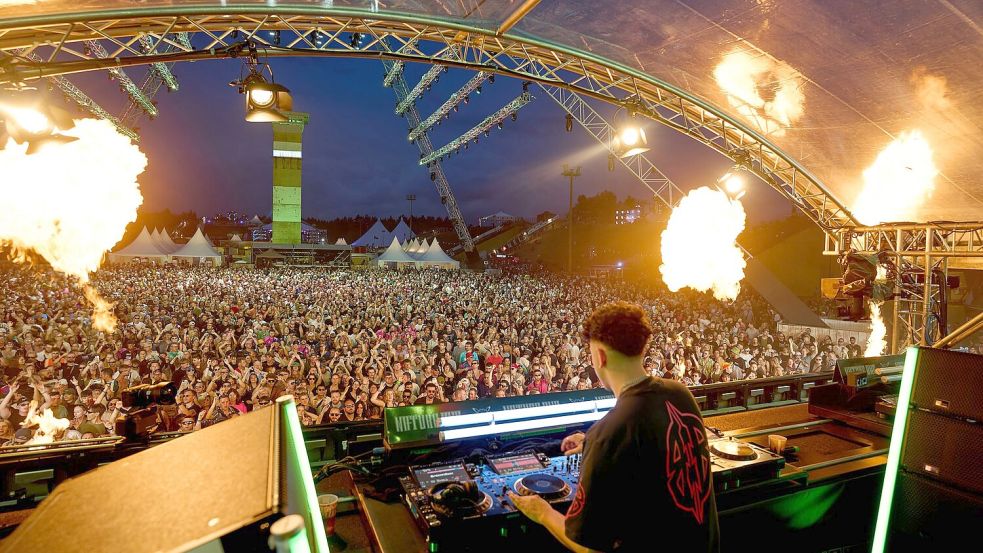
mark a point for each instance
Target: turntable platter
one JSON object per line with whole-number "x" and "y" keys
{"x": 547, "y": 486}
{"x": 735, "y": 451}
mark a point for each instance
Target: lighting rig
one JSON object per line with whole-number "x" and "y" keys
{"x": 496, "y": 119}
{"x": 450, "y": 105}
{"x": 265, "y": 99}
{"x": 426, "y": 81}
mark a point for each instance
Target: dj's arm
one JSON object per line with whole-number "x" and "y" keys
{"x": 555, "y": 523}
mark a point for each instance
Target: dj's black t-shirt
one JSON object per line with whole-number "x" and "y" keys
{"x": 645, "y": 473}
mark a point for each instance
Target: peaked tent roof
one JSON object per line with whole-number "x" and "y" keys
{"x": 435, "y": 254}
{"x": 198, "y": 246}
{"x": 376, "y": 237}
{"x": 270, "y": 254}
{"x": 141, "y": 246}
{"x": 403, "y": 231}
{"x": 256, "y": 220}
{"x": 395, "y": 254}
{"x": 341, "y": 242}
{"x": 165, "y": 239}
{"x": 235, "y": 238}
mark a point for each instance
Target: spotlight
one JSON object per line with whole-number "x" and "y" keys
{"x": 569, "y": 123}
{"x": 356, "y": 40}
{"x": 733, "y": 184}
{"x": 265, "y": 100}
{"x": 276, "y": 37}
{"x": 491, "y": 79}
{"x": 515, "y": 116}
{"x": 467, "y": 99}
{"x": 630, "y": 141}
{"x": 499, "y": 125}
{"x": 478, "y": 90}
{"x": 37, "y": 126}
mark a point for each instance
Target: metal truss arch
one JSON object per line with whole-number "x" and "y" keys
{"x": 329, "y": 31}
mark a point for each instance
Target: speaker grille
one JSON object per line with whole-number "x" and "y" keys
{"x": 945, "y": 449}
{"x": 931, "y": 517}
{"x": 949, "y": 382}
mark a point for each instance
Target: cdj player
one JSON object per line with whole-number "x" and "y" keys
{"x": 463, "y": 506}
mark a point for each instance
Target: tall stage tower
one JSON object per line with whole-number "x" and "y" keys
{"x": 287, "y": 163}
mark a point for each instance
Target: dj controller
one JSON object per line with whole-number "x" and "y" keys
{"x": 464, "y": 506}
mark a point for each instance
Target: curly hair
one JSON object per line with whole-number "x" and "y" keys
{"x": 621, "y": 325}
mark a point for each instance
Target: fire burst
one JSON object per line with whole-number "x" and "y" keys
{"x": 71, "y": 202}
{"x": 899, "y": 181}
{"x": 876, "y": 341}
{"x": 765, "y": 91}
{"x": 48, "y": 426}
{"x": 699, "y": 247}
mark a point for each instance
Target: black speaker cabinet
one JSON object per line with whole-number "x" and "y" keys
{"x": 218, "y": 489}
{"x": 930, "y": 516}
{"x": 949, "y": 382}
{"x": 932, "y": 498}
{"x": 945, "y": 449}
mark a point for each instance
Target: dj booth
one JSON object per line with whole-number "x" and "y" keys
{"x": 435, "y": 478}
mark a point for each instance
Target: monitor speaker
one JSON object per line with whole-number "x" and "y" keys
{"x": 930, "y": 516}
{"x": 945, "y": 449}
{"x": 932, "y": 498}
{"x": 949, "y": 382}
{"x": 218, "y": 489}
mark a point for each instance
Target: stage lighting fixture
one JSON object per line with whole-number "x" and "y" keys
{"x": 500, "y": 125}
{"x": 630, "y": 140}
{"x": 569, "y": 123}
{"x": 478, "y": 90}
{"x": 265, "y": 100}
{"x": 276, "y": 37}
{"x": 732, "y": 183}
{"x": 515, "y": 116}
{"x": 491, "y": 79}
{"x": 37, "y": 126}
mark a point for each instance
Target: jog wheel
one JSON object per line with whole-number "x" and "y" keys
{"x": 735, "y": 451}
{"x": 547, "y": 486}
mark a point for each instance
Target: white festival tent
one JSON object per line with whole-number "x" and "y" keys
{"x": 435, "y": 257}
{"x": 341, "y": 242}
{"x": 376, "y": 237}
{"x": 394, "y": 254}
{"x": 169, "y": 244}
{"x": 403, "y": 231}
{"x": 199, "y": 247}
{"x": 411, "y": 246}
{"x": 143, "y": 246}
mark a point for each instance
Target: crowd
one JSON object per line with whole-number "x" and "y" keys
{"x": 347, "y": 344}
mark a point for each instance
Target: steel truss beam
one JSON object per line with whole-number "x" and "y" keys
{"x": 923, "y": 252}
{"x": 644, "y": 170}
{"x": 451, "y": 104}
{"x": 418, "y": 39}
{"x": 428, "y": 79}
{"x": 412, "y": 116}
{"x": 73, "y": 94}
{"x": 497, "y": 118}
{"x": 125, "y": 82}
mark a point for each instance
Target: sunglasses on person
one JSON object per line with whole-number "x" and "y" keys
{"x": 263, "y": 400}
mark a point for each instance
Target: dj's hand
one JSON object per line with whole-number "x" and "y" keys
{"x": 533, "y": 506}
{"x": 573, "y": 444}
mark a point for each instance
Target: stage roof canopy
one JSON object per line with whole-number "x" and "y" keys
{"x": 831, "y": 84}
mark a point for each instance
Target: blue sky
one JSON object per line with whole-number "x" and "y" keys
{"x": 204, "y": 156}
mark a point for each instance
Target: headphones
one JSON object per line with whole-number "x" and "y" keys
{"x": 457, "y": 498}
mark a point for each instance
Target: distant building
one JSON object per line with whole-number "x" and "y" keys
{"x": 496, "y": 219}
{"x": 627, "y": 216}
{"x": 308, "y": 234}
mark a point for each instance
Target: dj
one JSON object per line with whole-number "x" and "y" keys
{"x": 646, "y": 464}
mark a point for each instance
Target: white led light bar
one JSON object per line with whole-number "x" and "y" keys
{"x": 519, "y": 426}
{"x": 287, "y": 153}
{"x": 545, "y": 411}
{"x": 466, "y": 420}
